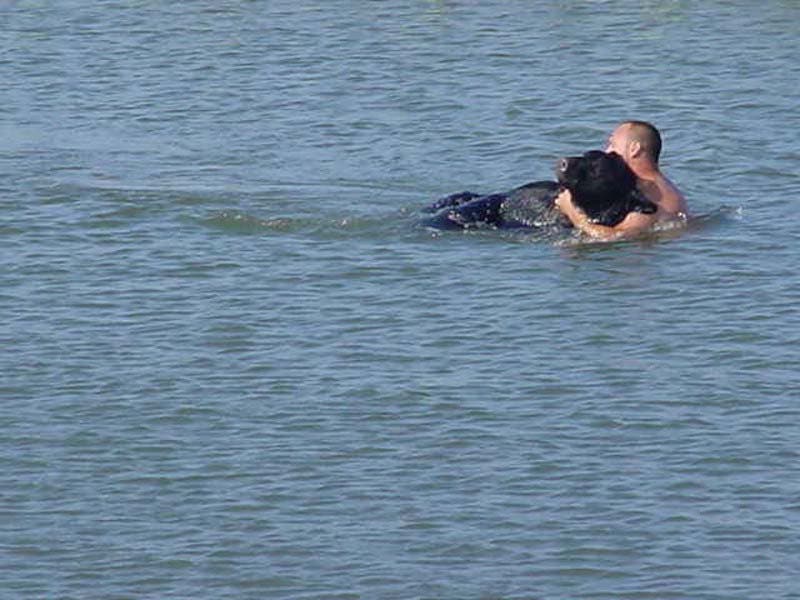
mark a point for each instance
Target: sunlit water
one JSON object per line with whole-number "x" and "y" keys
{"x": 234, "y": 365}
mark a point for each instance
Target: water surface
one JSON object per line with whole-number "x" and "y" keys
{"x": 233, "y": 365}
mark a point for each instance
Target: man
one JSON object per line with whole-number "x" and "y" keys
{"x": 639, "y": 144}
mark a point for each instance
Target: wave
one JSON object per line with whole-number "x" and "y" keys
{"x": 239, "y": 222}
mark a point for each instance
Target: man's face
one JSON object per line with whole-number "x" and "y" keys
{"x": 618, "y": 141}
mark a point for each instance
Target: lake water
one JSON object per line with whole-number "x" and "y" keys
{"x": 234, "y": 366}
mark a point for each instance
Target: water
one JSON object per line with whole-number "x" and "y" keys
{"x": 234, "y": 367}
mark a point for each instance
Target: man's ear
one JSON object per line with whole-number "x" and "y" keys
{"x": 634, "y": 148}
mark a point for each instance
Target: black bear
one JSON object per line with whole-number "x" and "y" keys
{"x": 601, "y": 184}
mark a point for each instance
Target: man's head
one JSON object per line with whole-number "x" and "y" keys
{"x": 635, "y": 140}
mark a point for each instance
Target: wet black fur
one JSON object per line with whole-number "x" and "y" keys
{"x": 601, "y": 184}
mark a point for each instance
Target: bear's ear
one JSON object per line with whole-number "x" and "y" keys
{"x": 594, "y": 155}
{"x": 638, "y": 199}
{"x": 623, "y": 173}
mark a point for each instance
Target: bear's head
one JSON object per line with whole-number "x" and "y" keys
{"x": 600, "y": 182}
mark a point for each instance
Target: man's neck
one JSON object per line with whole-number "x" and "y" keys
{"x": 645, "y": 169}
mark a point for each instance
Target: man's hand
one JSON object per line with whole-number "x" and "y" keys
{"x": 564, "y": 202}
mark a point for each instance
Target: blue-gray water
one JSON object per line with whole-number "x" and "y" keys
{"x": 233, "y": 366}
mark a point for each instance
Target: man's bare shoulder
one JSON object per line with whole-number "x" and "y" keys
{"x": 669, "y": 199}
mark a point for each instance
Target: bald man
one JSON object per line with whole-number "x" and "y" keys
{"x": 639, "y": 144}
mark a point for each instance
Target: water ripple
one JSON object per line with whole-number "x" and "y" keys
{"x": 236, "y": 366}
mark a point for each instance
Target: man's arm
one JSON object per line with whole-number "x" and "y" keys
{"x": 632, "y": 225}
